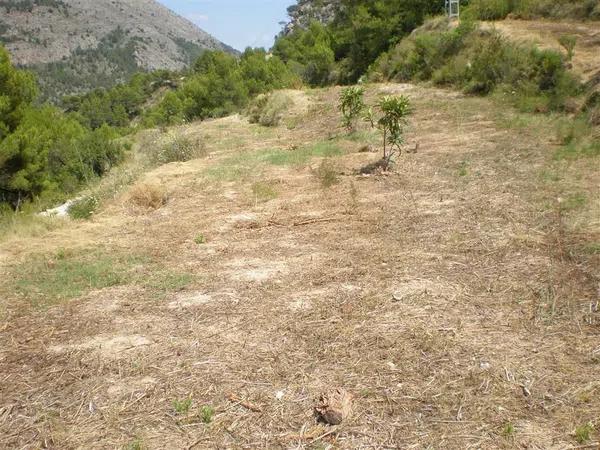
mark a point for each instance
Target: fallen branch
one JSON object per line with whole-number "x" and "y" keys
{"x": 235, "y": 399}
{"x": 311, "y": 221}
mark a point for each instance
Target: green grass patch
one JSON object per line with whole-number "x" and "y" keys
{"x": 182, "y": 406}
{"x": 574, "y": 201}
{"x": 207, "y": 414}
{"x": 246, "y": 164}
{"x": 301, "y": 156}
{"x": 49, "y": 279}
{"x": 162, "y": 282}
{"x": 583, "y": 433}
{"x": 574, "y": 150}
{"x": 263, "y": 192}
{"x": 45, "y": 281}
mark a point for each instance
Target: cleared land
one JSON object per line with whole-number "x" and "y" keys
{"x": 456, "y": 299}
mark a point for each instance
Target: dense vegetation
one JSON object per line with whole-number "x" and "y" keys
{"x": 343, "y": 50}
{"x": 119, "y": 105}
{"x": 480, "y": 62}
{"x": 220, "y": 84}
{"x": 44, "y": 153}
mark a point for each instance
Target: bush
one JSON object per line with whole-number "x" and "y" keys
{"x": 269, "y": 109}
{"x": 83, "y": 208}
{"x": 220, "y": 85}
{"x": 176, "y": 148}
{"x": 50, "y": 154}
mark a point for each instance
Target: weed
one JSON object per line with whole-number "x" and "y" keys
{"x": 592, "y": 248}
{"x": 26, "y": 224}
{"x": 568, "y": 42}
{"x": 263, "y": 192}
{"x": 326, "y": 173}
{"x": 200, "y": 239}
{"x": 207, "y": 413}
{"x": 463, "y": 169}
{"x": 136, "y": 444}
{"x": 509, "y": 430}
{"x": 83, "y": 208}
{"x": 353, "y": 193}
{"x": 583, "y": 433}
{"x": 182, "y": 406}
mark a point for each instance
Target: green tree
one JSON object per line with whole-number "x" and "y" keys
{"x": 309, "y": 53}
{"x": 17, "y": 91}
{"x": 364, "y": 29}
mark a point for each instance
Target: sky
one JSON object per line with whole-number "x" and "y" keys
{"x": 238, "y": 23}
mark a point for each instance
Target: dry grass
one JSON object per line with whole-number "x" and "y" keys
{"x": 459, "y": 311}
{"x": 147, "y": 196}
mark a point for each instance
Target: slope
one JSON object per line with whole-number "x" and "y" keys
{"x": 456, "y": 298}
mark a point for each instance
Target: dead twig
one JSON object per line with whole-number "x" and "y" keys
{"x": 311, "y": 221}
{"x": 235, "y": 399}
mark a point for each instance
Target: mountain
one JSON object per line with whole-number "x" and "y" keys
{"x": 77, "y": 45}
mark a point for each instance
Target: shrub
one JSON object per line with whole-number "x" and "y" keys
{"x": 326, "y": 173}
{"x": 480, "y": 62}
{"x": 268, "y": 109}
{"x": 84, "y": 207}
{"x": 176, "y": 148}
{"x": 489, "y": 9}
{"x": 351, "y": 105}
{"x": 148, "y": 196}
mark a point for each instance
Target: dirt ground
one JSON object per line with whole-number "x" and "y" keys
{"x": 586, "y": 59}
{"x": 451, "y": 297}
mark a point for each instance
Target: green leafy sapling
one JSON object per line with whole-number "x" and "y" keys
{"x": 391, "y": 118}
{"x": 351, "y": 106}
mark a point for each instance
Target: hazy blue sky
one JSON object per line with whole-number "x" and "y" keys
{"x": 239, "y": 23}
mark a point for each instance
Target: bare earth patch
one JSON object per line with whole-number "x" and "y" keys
{"x": 108, "y": 346}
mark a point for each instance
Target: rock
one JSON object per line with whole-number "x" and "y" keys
{"x": 334, "y": 406}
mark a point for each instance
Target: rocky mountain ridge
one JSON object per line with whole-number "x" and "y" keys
{"x": 77, "y": 45}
